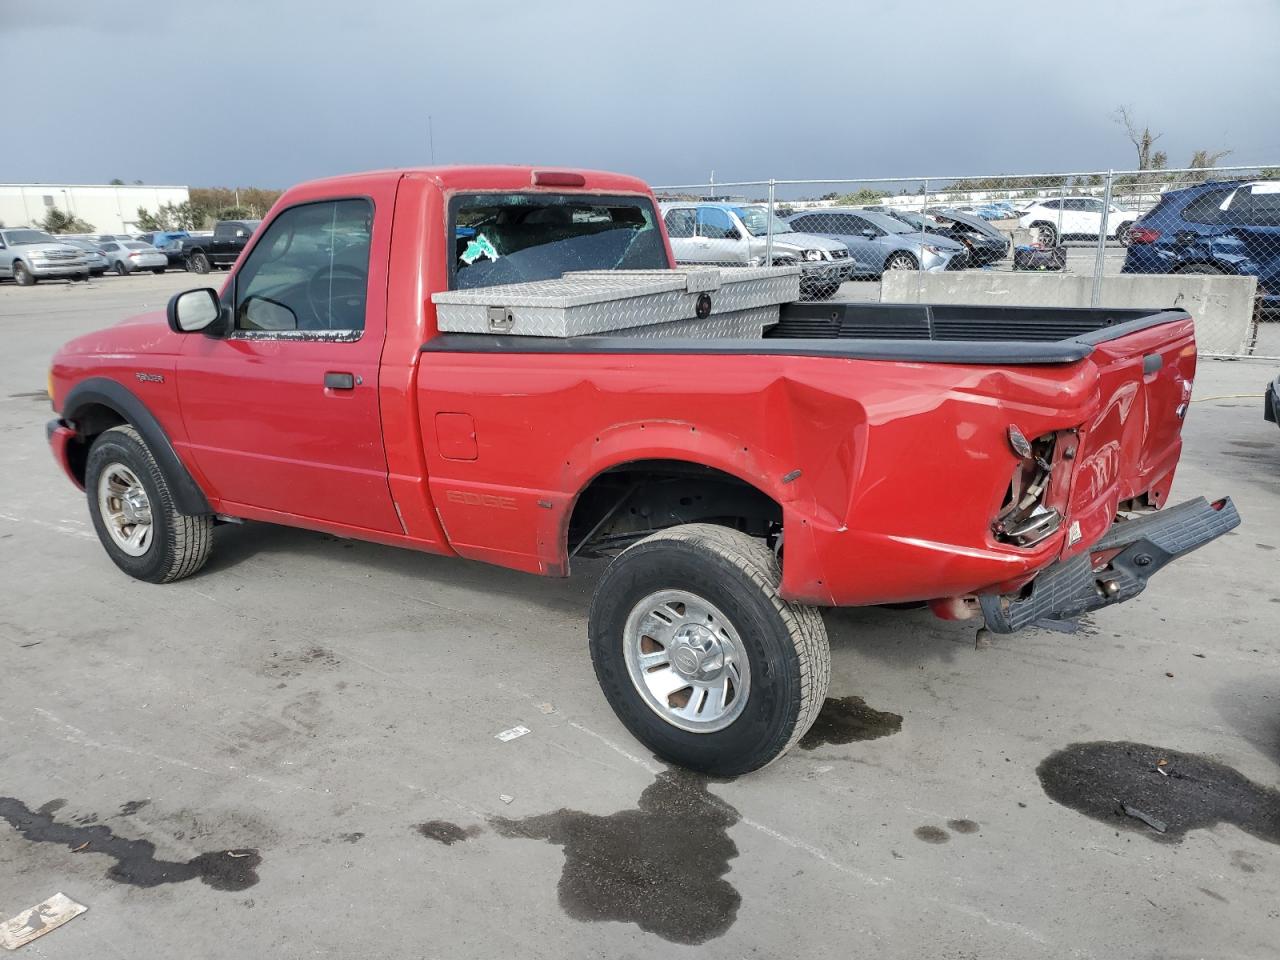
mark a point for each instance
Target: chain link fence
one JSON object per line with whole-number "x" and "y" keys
{"x": 862, "y": 239}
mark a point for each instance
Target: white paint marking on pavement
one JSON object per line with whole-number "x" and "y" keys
{"x": 56, "y": 527}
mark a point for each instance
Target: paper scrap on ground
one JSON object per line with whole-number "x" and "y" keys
{"x": 511, "y": 734}
{"x": 39, "y": 920}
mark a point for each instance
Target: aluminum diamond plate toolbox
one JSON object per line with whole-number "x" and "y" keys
{"x": 738, "y": 325}
{"x": 606, "y": 301}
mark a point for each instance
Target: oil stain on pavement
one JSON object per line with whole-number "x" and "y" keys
{"x": 846, "y": 719}
{"x": 660, "y": 866}
{"x": 1185, "y": 792}
{"x": 445, "y": 832}
{"x": 135, "y": 860}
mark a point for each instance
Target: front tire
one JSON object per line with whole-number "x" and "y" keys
{"x": 134, "y": 515}
{"x": 901, "y": 261}
{"x": 22, "y": 274}
{"x": 699, "y": 656}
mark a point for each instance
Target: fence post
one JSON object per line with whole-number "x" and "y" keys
{"x": 1062, "y": 202}
{"x": 924, "y": 206}
{"x": 768, "y": 243}
{"x": 1101, "y": 257}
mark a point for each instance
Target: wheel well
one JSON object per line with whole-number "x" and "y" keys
{"x": 630, "y": 501}
{"x": 91, "y": 421}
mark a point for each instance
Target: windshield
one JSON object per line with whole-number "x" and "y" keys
{"x": 888, "y": 223}
{"x": 19, "y": 237}
{"x": 756, "y": 220}
{"x": 522, "y": 237}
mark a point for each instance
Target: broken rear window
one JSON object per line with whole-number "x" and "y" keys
{"x": 521, "y": 237}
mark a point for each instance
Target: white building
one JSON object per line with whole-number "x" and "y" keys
{"x": 111, "y": 209}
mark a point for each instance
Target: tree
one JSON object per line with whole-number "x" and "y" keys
{"x": 233, "y": 213}
{"x": 171, "y": 216}
{"x": 1140, "y": 136}
{"x": 1205, "y": 160}
{"x": 116, "y": 182}
{"x": 863, "y": 196}
{"x": 55, "y": 221}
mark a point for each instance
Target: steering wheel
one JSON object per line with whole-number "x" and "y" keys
{"x": 336, "y": 289}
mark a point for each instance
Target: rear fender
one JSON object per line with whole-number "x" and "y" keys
{"x": 665, "y": 440}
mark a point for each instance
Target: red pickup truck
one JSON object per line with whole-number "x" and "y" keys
{"x": 1006, "y": 464}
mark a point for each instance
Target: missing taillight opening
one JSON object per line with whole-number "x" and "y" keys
{"x": 1024, "y": 519}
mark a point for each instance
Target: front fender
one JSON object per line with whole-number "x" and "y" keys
{"x": 101, "y": 391}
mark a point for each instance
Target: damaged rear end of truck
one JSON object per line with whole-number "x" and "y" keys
{"x": 1074, "y": 417}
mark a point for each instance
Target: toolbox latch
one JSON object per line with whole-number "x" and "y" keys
{"x": 500, "y": 320}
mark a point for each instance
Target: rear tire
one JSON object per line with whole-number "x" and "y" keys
{"x": 763, "y": 663}
{"x": 1122, "y": 234}
{"x": 157, "y": 270}
{"x": 22, "y": 274}
{"x": 1046, "y": 234}
{"x": 134, "y": 515}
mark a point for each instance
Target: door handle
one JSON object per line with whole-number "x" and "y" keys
{"x": 339, "y": 381}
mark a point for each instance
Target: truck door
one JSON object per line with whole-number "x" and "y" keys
{"x": 282, "y": 413}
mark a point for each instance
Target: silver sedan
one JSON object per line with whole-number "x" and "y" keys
{"x": 126, "y": 256}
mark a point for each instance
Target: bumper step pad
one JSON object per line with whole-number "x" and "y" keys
{"x": 1072, "y": 587}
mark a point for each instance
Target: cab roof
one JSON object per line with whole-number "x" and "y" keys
{"x": 496, "y": 177}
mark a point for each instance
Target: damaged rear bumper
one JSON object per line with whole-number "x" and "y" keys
{"x": 1115, "y": 569}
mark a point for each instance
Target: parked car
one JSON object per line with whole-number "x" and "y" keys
{"x": 878, "y": 242}
{"x": 917, "y": 221}
{"x": 126, "y": 256}
{"x": 1218, "y": 227}
{"x": 733, "y": 234}
{"x": 201, "y": 253}
{"x": 1079, "y": 218}
{"x": 900, "y": 452}
{"x": 985, "y": 243}
{"x": 29, "y": 256}
{"x": 168, "y": 242}
{"x": 98, "y": 262}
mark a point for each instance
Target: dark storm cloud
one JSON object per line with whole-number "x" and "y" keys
{"x": 269, "y": 93}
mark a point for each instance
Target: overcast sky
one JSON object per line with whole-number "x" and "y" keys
{"x": 265, "y": 93}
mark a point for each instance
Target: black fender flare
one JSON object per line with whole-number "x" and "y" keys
{"x": 187, "y": 495}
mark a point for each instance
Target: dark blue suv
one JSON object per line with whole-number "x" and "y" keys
{"x": 1219, "y": 227}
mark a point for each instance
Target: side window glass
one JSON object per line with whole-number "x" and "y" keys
{"x": 803, "y": 224}
{"x": 1051, "y": 204}
{"x": 310, "y": 270}
{"x": 680, "y": 223}
{"x": 715, "y": 224}
{"x": 1206, "y": 208}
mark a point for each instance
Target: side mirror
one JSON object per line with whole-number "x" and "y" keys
{"x": 193, "y": 311}
{"x": 242, "y": 233}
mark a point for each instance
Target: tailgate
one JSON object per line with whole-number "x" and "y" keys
{"x": 1129, "y": 447}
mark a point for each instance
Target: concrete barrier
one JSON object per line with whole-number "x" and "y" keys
{"x": 1223, "y": 307}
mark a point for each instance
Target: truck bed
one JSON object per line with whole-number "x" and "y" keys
{"x": 874, "y": 331}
